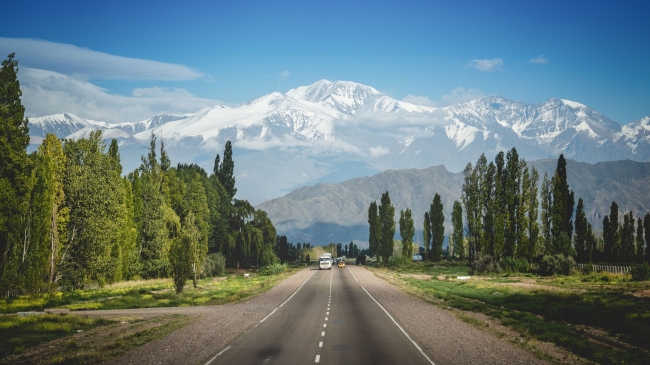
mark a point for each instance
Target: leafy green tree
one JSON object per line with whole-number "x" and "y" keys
{"x": 546, "y": 215}
{"x": 457, "y": 222}
{"x": 611, "y": 235}
{"x": 374, "y": 238}
{"x": 182, "y": 253}
{"x": 94, "y": 195}
{"x": 386, "y": 216}
{"x": 473, "y": 214}
{"x": 646, "y": 231}
{"x": 406, "y": 231}
{"x": 437, "y": 227}
{"x": 580, "y": 238}
{"x": 16, "y": 180}
{"x": 627, "y": 238}
{"x": 226, "y": 170}
{"x": 512, "y": 202}
{"x": 562, "y": 210}
{"x": 426, "y": 234}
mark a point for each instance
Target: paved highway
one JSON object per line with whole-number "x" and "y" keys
{"x": 330, "y": 319}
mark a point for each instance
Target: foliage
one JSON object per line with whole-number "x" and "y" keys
{"x": 386, "y": 217}
{"x": 514, "y": 265}
{"x": 484, "y": 264}
{"x": 556, "y": 264}
{"x": 641, "y": 272}
{"x": 406, "y": 231}
{"x": 274, "y": 269}
{"x": 437, "y": 218}
{"x": 457, "y": 235}
{"x": 400, "y": 260}
{"x": 214, "y": 265}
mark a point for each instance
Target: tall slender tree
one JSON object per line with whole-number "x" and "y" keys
{"x": 646, "y": 230}
{"x": 437, "y": 227}
{"x": 546, "y": 214}
{"x": 387, "y": 218}
{"x": 374, "y": 223}
{"x": 16, "y": 180}
{"x": 426, "y": 235}
{"x": 562, "y": 210}
{"x": 226, "y": 171}
{"x": 406, "y": 231}
{"x": 580, "y": 238}
{"x": 457, "y": 222}
{"x": 640, "y": 257}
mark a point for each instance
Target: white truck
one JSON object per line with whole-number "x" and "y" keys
{"x": 325, "y": 262}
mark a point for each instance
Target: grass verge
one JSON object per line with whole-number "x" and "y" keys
{"x": 107, "y": 339}
{"x": 149, "y": 294}
{"x": 598, "y": 322}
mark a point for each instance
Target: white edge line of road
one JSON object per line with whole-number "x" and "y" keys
{"x": 285, "y": 302}
{"x": 217, "y": 355}
{"x": 392, "y": 319}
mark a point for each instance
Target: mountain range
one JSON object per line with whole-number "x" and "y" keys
{"x": 326, "y": 213}
{"x": 329, "y": 132}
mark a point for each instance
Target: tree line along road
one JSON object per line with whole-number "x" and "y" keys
{"x": 330, "y": 319}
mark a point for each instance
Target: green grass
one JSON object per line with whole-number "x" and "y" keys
{"x": 147, "y": 294}
{"x": 551, "y": 312}
{"x": 20, "y": 333}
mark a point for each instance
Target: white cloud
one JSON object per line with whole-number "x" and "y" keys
{"x": 72, "y": 60}
{"x": 284, "y": 75}
{"x": 540, "y": 60}
{"x": 48, "y": 92}
{"x": 378, "y": 151}
{"x": 457, "y": 95}
{"x": 495, "y": 64}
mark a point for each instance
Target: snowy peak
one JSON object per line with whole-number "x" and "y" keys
{"x": 61, "y": 124}
{"x": 344, "y": 96}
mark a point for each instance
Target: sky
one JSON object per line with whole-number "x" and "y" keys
{"x": 122, "y": 61}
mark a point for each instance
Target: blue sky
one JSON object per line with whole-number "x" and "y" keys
{"x": 95, "y": 60}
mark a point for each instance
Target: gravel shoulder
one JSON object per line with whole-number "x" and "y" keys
{"x": 447, "y": 339}
{"x": 214, "y": 328}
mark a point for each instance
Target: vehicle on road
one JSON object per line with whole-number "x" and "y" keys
{"x": 341, "y": 264}
{"x": 325, "y": 263}
{"x": 361, "y": 260}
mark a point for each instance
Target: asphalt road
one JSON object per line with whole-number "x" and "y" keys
{"x": 330, "y": 319}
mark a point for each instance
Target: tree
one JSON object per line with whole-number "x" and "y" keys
{"x": 457, "y": 222}
{"x": 426, "y": 234}
{"x": 580, "y": 238}
{"x": 226, "y": 170}
{"x": 182, "y": 253}
{"x": 406, "y": 231}
{"x": 512, "y": 202}
{"x": 15, "y": 171}
{"x": 546, "y": 216}
{"x": 533, "y": 225}
{"x": 561, "y": 210}
{"x": 374, "y": 238}
{"x": 639, "y": 242}
{"x": 471, "y": 202}
{"x": 646, "y": 231}
{"x": 386, "y": 217}
{"x": 611, "y": 235}
{"x": 94, "y": 194}
{"x": 627, "y": 238}
{"x": 437, "y": 227}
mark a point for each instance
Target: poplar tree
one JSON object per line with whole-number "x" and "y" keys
{"x": 226, "y": 170}
{"x": 512, "y": 201}
{"x": 532, "y": 212}
{"x": 437, "y": 228}
{"x": 406, "y": 231}
{"x": 374, "y": 238}
{"x": 15, "y": 171}
{"x": 499, "y": 203}
{"x": 472, "y": 205}
{"x": 646, "y": 231}
{"x": 387, "y": 219}
{"x": 546, "y": 215}
{"x": 627, "y": 238}
{"x": 639, "y": 242}
{"x": 426, "y": 235}
{"x": 580, "y": 238}
{"x": 562, "y": 210}
{"x": 611, "y": 235}
{"x": 457, "y": 222}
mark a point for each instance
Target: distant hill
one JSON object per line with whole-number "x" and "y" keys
{"x": 326, "y": 213}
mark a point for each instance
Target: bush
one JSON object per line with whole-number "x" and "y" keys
{"x": 641, "y": 272}
{"x": 399, "y": 261}
{"x": 556, "y": 264}
{"x": 214, "y": 265}
{"x": 273, "y": 269}
{"x": 514, "y": 265}
{"x": 484, "y": 264}
{"x": 587, "y": 269}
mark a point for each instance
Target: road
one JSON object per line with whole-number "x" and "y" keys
{"x": 330, "y": 319}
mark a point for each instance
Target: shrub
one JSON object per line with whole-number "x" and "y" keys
{"x": 641, "y": 272}
{"x": 587, "y": 269}
{"x": 214, "y": 265}
{"x": 484, "y": 264}
{"x": 399, "y": 261}
{"x": 514, "y": 265}
{"x": 556, "y": 264}
{"x": 273, "y": 269}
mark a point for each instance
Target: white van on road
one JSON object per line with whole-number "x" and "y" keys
{"x": 325, "y": 263}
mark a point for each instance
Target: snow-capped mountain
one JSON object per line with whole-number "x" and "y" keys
{"x": 332, "y": 131}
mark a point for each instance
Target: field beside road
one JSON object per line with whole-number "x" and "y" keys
{"x": 70, "y": 338}
{"x": 603, "y": 318}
